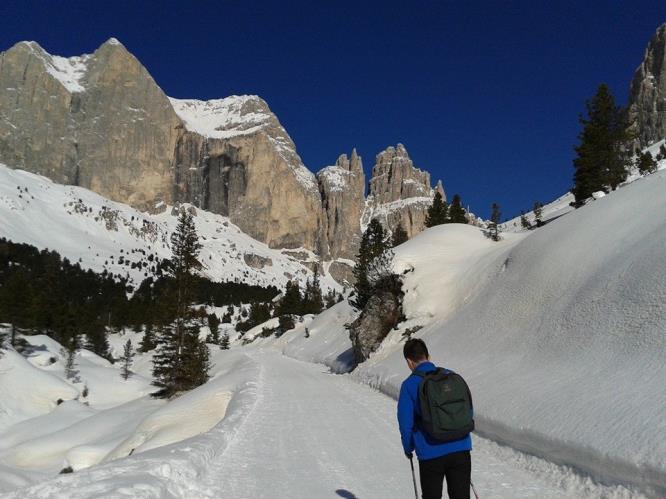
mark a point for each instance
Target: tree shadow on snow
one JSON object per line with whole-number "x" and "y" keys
{"x": 346, "y": 494}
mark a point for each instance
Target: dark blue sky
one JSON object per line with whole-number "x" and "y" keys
{"x": 484, "y": 95}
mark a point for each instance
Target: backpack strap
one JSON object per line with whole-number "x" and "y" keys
{"x": 437, "y": 370}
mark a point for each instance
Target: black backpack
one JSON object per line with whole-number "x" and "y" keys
{"x": 446, "y": 405}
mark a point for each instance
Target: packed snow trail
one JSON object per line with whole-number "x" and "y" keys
{"x": 314, "y": 434}
{"x": 293, "y": 430}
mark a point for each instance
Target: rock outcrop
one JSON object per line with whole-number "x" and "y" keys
{"x": 342, "y": 188}
{"x": 399, "y": 193}
{"x": 379, "y": 316}
{"x": 647, "y": 100}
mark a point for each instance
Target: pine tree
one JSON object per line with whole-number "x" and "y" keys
{"x": 524, "y": 223}
{"x": 180, "y": 352}
{"x": 331, "y": 298}
{"x": 224, "y": 342}
{"x": 646, "y": 163}
{"x": 291, "y": 301}
{"x": 662, "y": 153}
{"x": 96, "y": 338}
{"x": 214, "y": 326}
{"x": 456, "y": 211}
{"x": 538, "y": 212}
{"x": 286, "y": 323}
{"x": 313, "y": 302}
{"x": 15, "y": 298}
{"x": 494, "y": 222}
{"x": 127, "y": 359}
{"x": 195, "y": 360}
{"x": 603, "y": 153}
{"x": 437, "y": 212}
{"x": 69, "y": 354}
{"x": 373, "y": 243}
{"x": 400, "y": 234}
{"x": 148, "y": 341}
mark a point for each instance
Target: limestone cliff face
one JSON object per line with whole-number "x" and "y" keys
{"x": 236, "y": 159}
{"x": 98, "y": 121}
{"x": 342, "y": 188}
{"x": 399, "y": 193}
{"x": 647, "y": 101}
{"x": 101, "y": 122}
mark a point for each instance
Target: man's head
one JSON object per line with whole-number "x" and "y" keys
{"x": 415, "y": 352}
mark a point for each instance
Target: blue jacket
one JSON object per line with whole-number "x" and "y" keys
{"x": 409, "y": 413}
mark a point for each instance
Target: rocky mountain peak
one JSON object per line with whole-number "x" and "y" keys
{"x": 647, "y": 100}
{"x": 353, "y": 165}
{"x": 440, "y": 188}
{"x": 395, "y": 177}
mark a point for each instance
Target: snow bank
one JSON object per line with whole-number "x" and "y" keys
{"x": 560, "y": 334}
{"x": 171, "y": 443}
{"x": 192, "y": 413}
{"x": 104, "y": 385}
{"x": 328, "y": 342}
{"x": 27, "y": 391}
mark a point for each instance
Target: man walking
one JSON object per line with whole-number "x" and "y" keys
{"x": 438, "y": 458}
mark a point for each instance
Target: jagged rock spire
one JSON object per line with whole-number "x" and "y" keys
{"x": 647, "y": 101}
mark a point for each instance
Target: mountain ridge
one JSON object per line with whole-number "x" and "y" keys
{"x": 102, "y": 122}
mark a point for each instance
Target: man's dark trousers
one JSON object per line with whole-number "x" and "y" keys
{"x": 456, "y": 467}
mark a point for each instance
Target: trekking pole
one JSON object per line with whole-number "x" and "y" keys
{"x": 474, "y": 490}
{"x": 416, "y": 492}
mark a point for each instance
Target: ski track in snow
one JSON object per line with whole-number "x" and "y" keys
{"x": 315, "y": 434}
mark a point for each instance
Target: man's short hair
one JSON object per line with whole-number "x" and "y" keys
{"x": 415, "y": 349}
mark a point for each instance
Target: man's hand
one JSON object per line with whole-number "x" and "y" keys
{"x": 409, "y": 455}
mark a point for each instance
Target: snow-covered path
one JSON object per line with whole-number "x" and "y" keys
{"x": 315, "y": 434}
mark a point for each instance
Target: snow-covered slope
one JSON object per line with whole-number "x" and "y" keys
{"x": 220, "y": 118}
{"x": 560, "y": 334}
{"x": 563, "y": 204}
{"x": 104, "y": 235}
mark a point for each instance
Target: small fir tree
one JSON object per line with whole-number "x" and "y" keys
{"x": 456, "y": 211}
{"x": 494, "y": 222}
{"x": 538, "y": 212}
{"x": 646, "y": 163}
{"x": 400, "y": 235}
{"x": 286, "y": 323}
{"x": 313, "y": 300}
{"x": 291, "y": 301}
{"x": 224, "y": 342}
{"x": 127, "y": 359}
{"x": 69, "y": 354}
{"x": 437, "y": 212}
{"x": 148, "y": 342}
{"x": 524, "y": 223}
{"x": 331, "y": 298}
{"x": 214, "y": 326}
{"x": 15, "y": 297}
{"x": 662, "y": 153}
